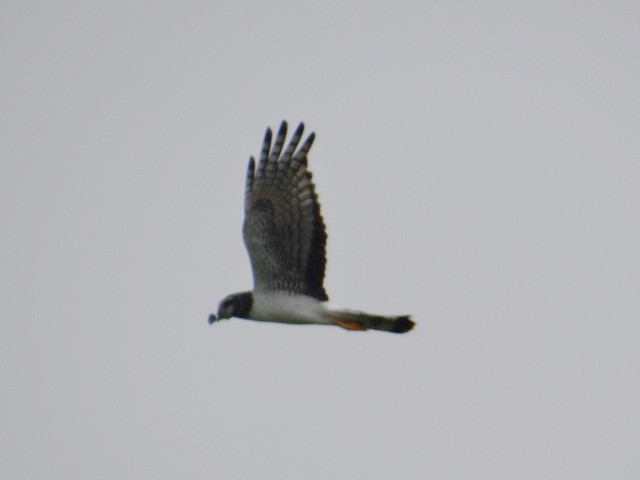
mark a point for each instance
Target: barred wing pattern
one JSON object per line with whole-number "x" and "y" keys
{"x": 283, "y": 229}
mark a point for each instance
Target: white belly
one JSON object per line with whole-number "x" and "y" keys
{"x": 283, "y": 308}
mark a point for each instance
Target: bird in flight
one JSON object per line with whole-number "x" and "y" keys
{"x": 285, "y": 236}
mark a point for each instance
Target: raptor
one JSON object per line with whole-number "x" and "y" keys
{"x": 285, "y": 236}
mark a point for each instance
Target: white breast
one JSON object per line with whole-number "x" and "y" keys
{"x": 287, "y": 308}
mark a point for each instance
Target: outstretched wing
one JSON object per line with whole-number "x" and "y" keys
{"x": 283, "y": 229}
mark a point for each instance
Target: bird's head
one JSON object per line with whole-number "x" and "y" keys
{"x": 234, "y": 305}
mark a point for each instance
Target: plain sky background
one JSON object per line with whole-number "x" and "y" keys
{"x": 478, "y": 165}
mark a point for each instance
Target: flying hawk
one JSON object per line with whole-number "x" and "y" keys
{"x": 285, "y": 236}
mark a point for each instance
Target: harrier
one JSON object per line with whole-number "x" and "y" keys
{"x": 285, "y": 236}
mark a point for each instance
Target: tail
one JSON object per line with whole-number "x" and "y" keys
{"x": 354, "y": 320}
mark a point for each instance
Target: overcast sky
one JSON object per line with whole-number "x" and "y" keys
{"x": 478, "y": 165}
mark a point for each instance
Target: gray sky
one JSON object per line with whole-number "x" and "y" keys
{"x": 478, "y": 166}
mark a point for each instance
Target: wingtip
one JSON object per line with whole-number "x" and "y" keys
{"x": 306, "y": 146}
{"x": 267, "y": 136}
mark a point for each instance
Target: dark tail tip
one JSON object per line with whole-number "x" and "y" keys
{"x": 403, "y": 324}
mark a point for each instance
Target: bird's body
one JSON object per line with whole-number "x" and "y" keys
{"x": 285, "y": 236}
{"x": 289, "y": 308}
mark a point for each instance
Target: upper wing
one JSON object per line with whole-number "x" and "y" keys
{"x": 283, "y": 229}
